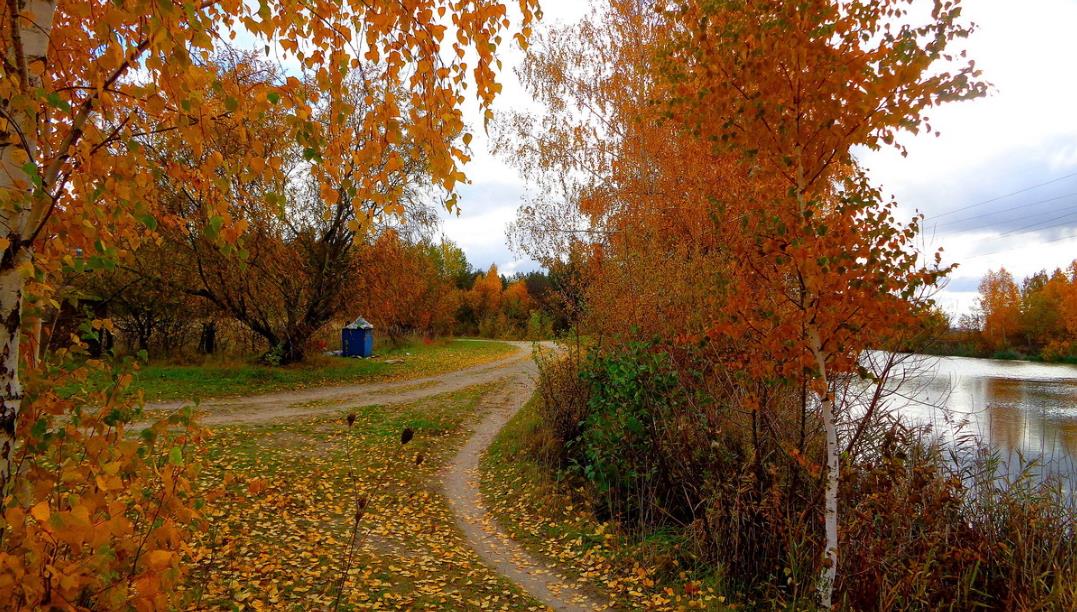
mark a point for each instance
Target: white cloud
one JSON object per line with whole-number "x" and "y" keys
{"x": 482, "y": 234}
{"x": 1023, "y": 134}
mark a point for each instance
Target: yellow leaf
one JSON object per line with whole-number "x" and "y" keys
{"x": 41, "y": 512}
{"x": 18, "y": 156}
{"x": 159, "y": 559}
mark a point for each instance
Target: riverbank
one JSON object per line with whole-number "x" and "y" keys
{"x": 968, "y": 344}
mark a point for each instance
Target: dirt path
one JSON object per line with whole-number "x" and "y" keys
{"x": 497, "y": 549}
{"x": 461, "y": 477}
{"x": 308, "y": 402}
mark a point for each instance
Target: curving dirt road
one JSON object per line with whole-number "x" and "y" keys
{"x": 494, "y": 546}
{"x": 460, "y": 478}
{"x": 320, "y": 400}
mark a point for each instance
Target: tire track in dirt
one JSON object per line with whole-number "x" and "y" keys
{"x": 321, "y": 400}
{"x": 493, "y": 544}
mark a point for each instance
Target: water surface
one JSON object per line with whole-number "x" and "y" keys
{"x": 1024, "y": 409}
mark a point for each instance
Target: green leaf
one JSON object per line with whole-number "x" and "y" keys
{"x": 149, "y": 221}
{"x": 54, "y": 100}
{"x": 175, "y": 456}
{"x": 213, "y": 227}
{"x": 39, "y": 428}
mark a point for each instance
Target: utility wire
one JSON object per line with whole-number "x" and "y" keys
{"x": 1004, "y": 210}
{"x": 1059, "y": 239}
{"x": 1004, "y": 196}
{"x": 1032, "y": 226}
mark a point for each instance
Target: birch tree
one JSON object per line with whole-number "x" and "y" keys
{"x": 84, "y": 80}
{"x": 793, "y": 88}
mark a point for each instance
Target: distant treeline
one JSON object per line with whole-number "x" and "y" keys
{"x": 1035, "y": 320}
{"x": 290, "y": 300}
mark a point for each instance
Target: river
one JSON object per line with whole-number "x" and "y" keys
{"x": 1021, "y": 408}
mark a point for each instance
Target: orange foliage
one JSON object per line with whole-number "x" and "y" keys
{"x": 642, "y": 230}
{"x": 712, "y": 163}
{"x": 99, "y": 515}
{"x": 399, "y": 288}
{"x": 516, "y": 302}
{"x": 1039, "y": 317}
{"x": 485, "y": 295}
{"x": 1000, "y": 302}
{"x": 85, "y": 83}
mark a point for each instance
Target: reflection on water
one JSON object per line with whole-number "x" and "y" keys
{"x": 1021, "y": 408}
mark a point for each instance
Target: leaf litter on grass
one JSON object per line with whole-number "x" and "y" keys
{"x": 279, "y": 533}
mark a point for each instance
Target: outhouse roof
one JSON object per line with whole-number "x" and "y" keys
{"x": 359, "y": 323}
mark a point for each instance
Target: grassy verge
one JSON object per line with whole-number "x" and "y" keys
{"x": 277, "y": 537}
{"x": 552, "y": 520}
{"x": 223, "y": 378}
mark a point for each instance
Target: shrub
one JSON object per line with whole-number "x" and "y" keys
{"x": 96, "y": 518}
{"x": 730, "y": 477}
{"x": 562, "y": 407}
{"x": 631, "y": 394}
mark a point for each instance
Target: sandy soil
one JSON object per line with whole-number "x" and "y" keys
{"x": 495, "y": 547}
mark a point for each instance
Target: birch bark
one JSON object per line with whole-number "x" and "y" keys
{"x": 27, "y": 25}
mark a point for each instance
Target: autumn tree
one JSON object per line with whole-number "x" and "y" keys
{"x": 287, "y": 275}
{"x": 791, "y": 89}
{"x": 83, "y": 80}
{"x": 1041, "y": 308}
{"x": 149, "y": 313}
{"x": 451, "y": 262}
{"x": 621, "y": 198}
{"x": 484, "y": 298}
{"x": 1000, "y": 303}
{"x": 405, "y": 287}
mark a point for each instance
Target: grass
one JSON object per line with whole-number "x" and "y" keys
{"x": 552, "y": 519}
{"x": 275, "y": 539}
{"x": 223, "y": 378}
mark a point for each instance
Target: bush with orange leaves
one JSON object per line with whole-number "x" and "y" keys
{"x": 102, "y": 504}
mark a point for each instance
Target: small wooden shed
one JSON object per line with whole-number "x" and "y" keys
{"x": 357, "y": 339}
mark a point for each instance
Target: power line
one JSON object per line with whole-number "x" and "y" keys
{"x": 1030, "y": 226}
{"x": 1004, "y": 196}
{"x": 1059, "y": 239}
{"x": 1004, "y": 210}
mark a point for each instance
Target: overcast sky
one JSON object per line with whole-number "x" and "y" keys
{"x": 1016, "y": 140}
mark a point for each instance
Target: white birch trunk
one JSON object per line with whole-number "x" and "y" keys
{"x": 26, "y": 38}
{"x": 826, "y": 404}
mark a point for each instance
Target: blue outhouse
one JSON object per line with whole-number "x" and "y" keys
{"x": 357, "y": 339}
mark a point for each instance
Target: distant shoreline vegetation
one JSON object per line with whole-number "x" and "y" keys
{"x": 1035, "y": 320}
{"x": 946, "y": 347}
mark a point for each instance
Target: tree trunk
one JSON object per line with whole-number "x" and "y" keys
{"x": 207, "y": 344}
{"x": 826, "y": 404}
{"x": 291, "y": 351}
{"x": 11, "y": 286}
{"x": 29, "y": 23}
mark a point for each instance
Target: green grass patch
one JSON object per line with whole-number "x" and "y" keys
{"x": 223, "y": 378}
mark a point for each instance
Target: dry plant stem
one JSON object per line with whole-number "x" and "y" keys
{"x": 360, "y": 511}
